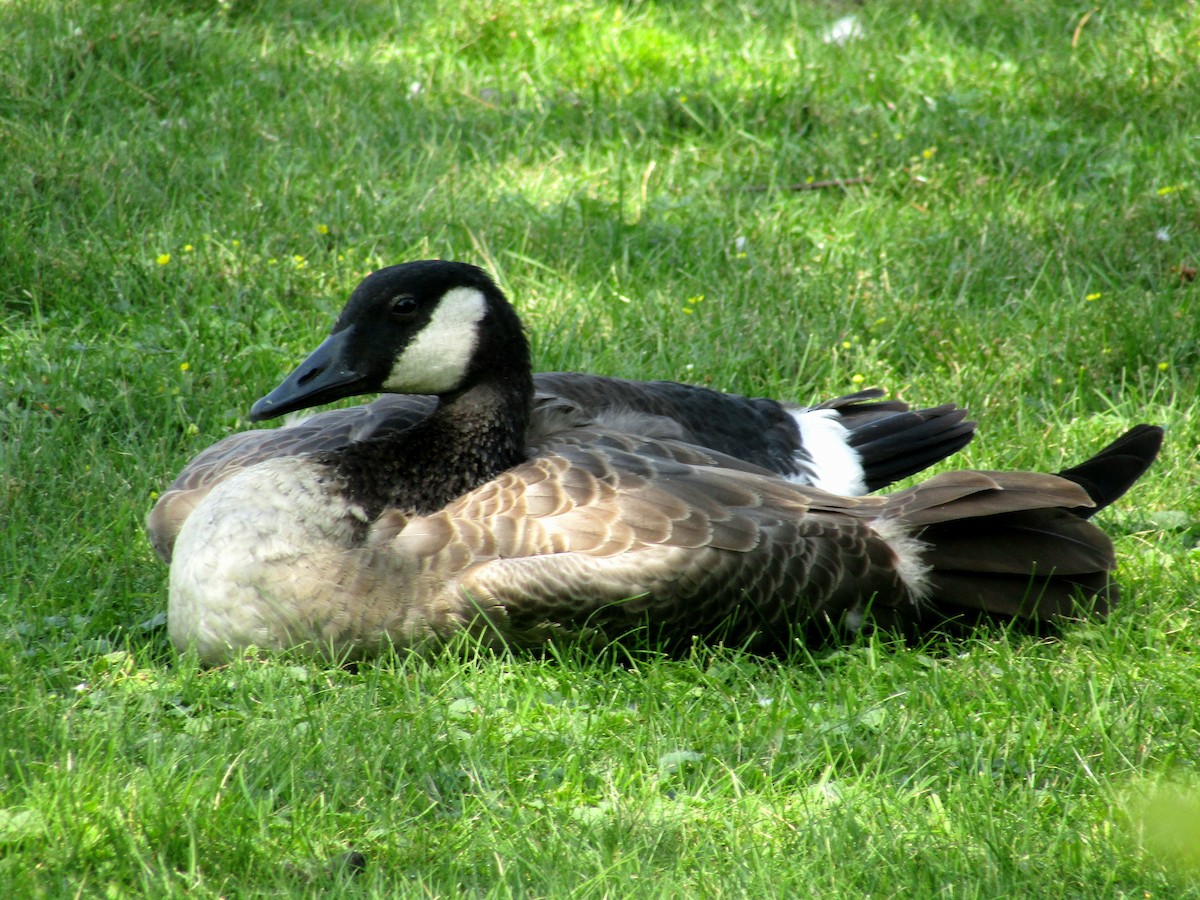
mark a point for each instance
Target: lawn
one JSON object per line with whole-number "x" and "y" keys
{"x": 990, "y": 203}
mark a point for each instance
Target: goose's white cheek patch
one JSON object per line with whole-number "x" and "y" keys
{"x": 436, "y": 360}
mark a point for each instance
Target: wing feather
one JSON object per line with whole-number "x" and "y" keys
{"x": 602, "y": 542}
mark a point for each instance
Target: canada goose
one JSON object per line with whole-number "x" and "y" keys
{"x": 519, "y": 521}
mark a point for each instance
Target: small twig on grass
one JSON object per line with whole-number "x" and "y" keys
{"x": 1079, "y": 28}
{"x": 813, "y": 185}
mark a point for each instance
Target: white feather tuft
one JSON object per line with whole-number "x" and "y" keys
{"x": 910, "y": 566}
{"x": 836, "y": 466}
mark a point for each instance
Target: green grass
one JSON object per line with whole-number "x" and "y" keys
{"x": 1025, "y": 244}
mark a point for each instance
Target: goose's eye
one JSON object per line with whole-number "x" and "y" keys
{"x": 404, "y": 306}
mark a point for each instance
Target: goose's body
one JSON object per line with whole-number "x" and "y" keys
{"x": 848, "y": 445}
{"x": 520, "y": 519}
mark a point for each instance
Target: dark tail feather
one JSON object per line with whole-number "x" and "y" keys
{"x": 1022, "y": 548}
{"x": 893, "y": 441}
{"x": 1020, "y": 598}
{"x": 1034, "y": 565}
{"x": 1113, "y": 471}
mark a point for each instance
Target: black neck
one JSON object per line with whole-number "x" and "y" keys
{"x": 474, "y": 435}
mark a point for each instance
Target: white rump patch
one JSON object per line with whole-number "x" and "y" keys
{"x": 437, "y": 358}
{"x": 836, "y": 466}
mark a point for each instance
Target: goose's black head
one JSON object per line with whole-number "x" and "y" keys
{"x": 428, "y": 327}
